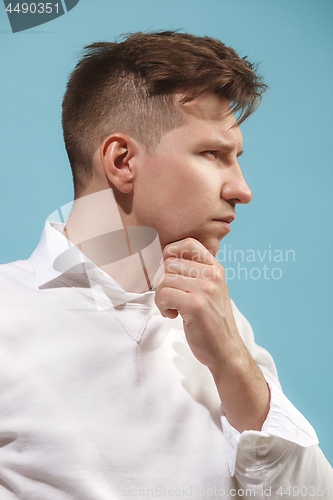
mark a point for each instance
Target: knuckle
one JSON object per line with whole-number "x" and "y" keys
{"x": 169, "y": 275}
{"x": 169, "y": 251}
{"x": 208, "y": 287}
{"x": 218, "y": 275}
{"x": 162, "y": 298}
{"x": 189, "y": 241}
{"x": 169, "y": 261}
{"x": 207, "y": 273}
{"x": 165, "y": 253}
{"x": 188, "y": 244}
{"x": 198, "y": 302}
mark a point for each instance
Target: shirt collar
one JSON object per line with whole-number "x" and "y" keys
{"x": 76, "y": 269}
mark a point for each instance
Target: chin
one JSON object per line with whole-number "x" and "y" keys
{"x": 214, "y": 250}
{"x": 212, "y": 246}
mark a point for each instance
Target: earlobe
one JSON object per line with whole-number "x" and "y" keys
{"x": 116, "y": 155}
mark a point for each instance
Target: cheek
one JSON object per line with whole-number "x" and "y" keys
{"x": 175, "y": 187}
{"x": 186, "y": 180}
{"x": 189, "y": 203}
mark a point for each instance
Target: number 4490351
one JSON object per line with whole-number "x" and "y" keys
{"x": 304, "y": 491}
{"x": 33, "y": 8}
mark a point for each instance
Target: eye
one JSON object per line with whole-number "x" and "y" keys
{"x": 210, "y": 153}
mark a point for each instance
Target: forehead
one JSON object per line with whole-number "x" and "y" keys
{"x": 209, "y": 107}
{"x": 210, "y": 117}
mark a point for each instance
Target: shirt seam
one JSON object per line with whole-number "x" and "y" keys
{"x": 264, "y": 465}
{"x": 101, "y": 299}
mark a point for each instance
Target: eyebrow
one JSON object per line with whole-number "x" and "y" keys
{"x": 220, "y": 145}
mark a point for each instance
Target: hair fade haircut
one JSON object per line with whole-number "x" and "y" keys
{"x": 128, "y": 87}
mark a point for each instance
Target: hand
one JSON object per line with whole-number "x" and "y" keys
{"x": 194, "y": 286}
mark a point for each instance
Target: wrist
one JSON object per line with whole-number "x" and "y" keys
{"x": 244, "y": 393}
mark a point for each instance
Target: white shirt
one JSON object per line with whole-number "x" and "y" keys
{"x": 101, "y": 398}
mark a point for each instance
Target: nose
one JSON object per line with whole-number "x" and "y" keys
{"x": 235, "y": 187}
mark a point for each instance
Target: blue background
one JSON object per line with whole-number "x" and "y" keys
{"x": 287, "y": 160}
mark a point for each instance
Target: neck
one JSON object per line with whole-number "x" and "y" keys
{"x": 129, "y": 254}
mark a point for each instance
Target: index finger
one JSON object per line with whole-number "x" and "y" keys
{"x": 190, "y": 249}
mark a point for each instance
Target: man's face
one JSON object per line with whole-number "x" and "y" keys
{"x": 193, "y": 180}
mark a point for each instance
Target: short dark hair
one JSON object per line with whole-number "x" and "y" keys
{"x": 128, "y": 87}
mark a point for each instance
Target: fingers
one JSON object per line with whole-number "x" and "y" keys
{"x": 190, "y": 258}
{"x": 192, "y": 275}
{"x": 169, "y": 300}
{"x": 193, "y": 270}
{"x": 189, "y": 249}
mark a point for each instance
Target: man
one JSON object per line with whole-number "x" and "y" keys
{"x": 111, "y": 389}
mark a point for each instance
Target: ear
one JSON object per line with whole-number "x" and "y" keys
{"x": 117, "y": 152}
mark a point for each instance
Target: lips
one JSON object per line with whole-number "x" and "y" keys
{"x": 227, "y": 219}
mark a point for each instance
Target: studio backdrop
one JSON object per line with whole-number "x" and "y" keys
{"x": 278, "y": 256}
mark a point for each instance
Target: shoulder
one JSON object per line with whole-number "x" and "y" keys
{"x": 18, "y": 284}
{"x": 16, "y": 274}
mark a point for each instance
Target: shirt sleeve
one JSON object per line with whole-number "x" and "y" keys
{"x": 285, "y": 453}
{"x": 283, "y": 421}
